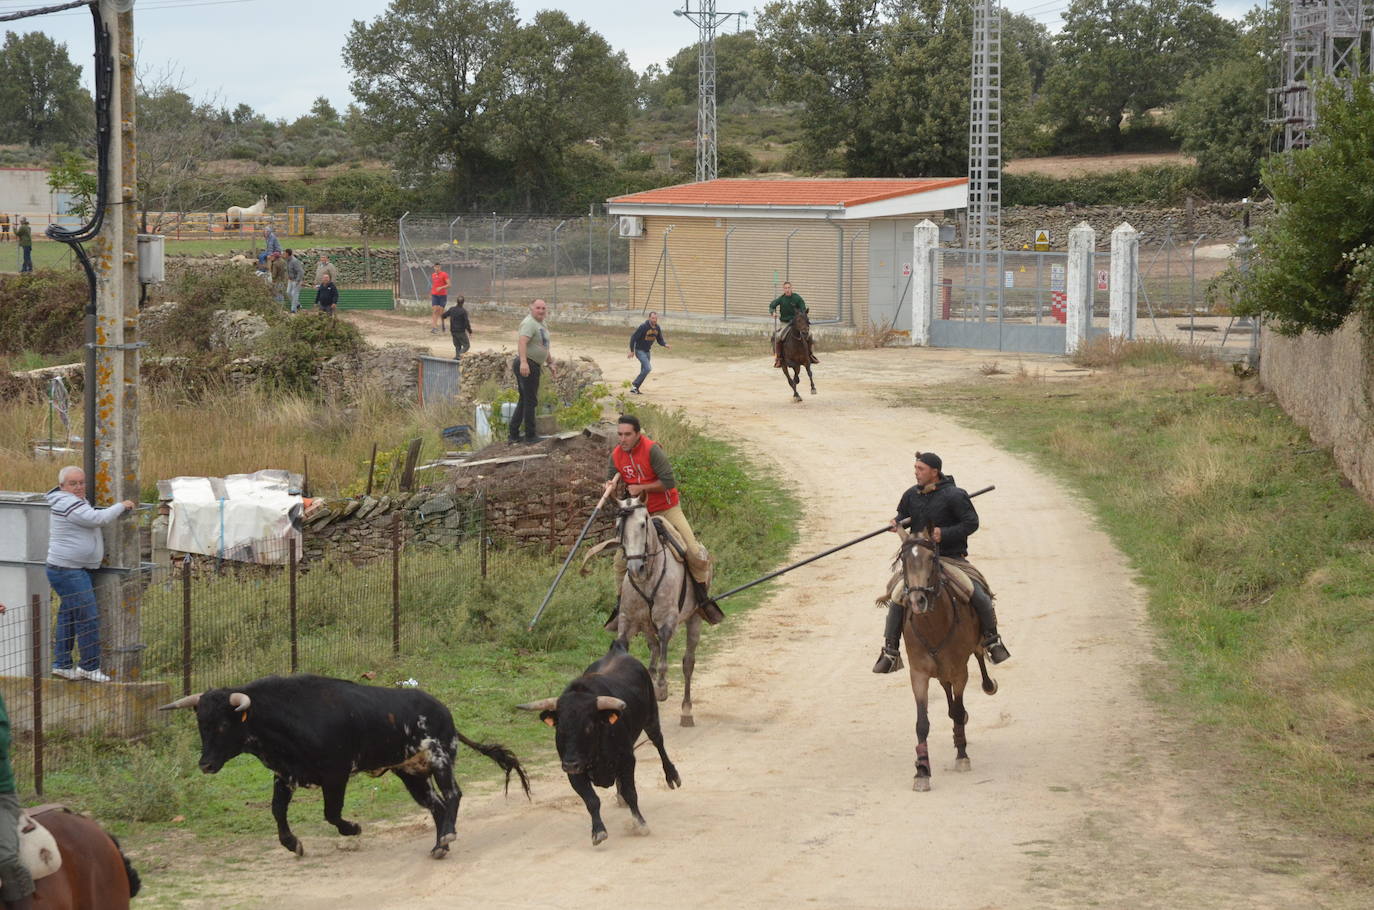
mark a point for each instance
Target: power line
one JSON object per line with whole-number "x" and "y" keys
{"x": 43, "y": 11}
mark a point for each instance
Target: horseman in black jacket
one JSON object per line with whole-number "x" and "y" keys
{"x": 937, "y": 503}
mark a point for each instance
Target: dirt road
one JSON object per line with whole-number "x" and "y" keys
{"x": 797, "y": 777}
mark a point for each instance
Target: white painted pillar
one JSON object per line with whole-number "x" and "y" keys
{"x": 1082, "y": 240}
{"x": 925, "y": 240}
{"x": 1125, "y": 258}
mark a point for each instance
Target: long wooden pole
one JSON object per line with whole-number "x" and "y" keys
{"x": 567, "y": 562}
{"x": 823, "y": 553}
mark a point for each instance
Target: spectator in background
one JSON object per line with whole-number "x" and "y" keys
{"x": 438, "y": 298}
{"x": 17, "y": 890}
{"x": 459, "y": 326}
{"x": 327, "y": 295}
{"x": 325, "y": 267}
{"x": 76, "y": 549}
{"x": 295, "y": 274}
{"x": 641, "y": 346}
{"x": 25, "y": 237}
{"x": 276, "y": 268}
{"x": 532, "y": 342}
{"x": 273, "y": 244}
{"x": 4, "y": 227}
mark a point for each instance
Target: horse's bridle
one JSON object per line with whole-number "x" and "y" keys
{"x": 928, "y": 592}
{"x": 648, "y": 554}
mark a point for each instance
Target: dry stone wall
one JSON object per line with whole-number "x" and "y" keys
{"x": 1220, "y": 221}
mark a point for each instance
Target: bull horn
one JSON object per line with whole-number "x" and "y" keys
{"x": 609, "y": 703}
{"x": 239, "y": 702}
{"x": 544, "y": 704}
{"x": 189, "y": 701}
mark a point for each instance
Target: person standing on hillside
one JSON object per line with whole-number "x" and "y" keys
{"x": 25, "y": 238}
{"x": 276, "y": 268}
{"x": 273, "y": 244}
{"x": 295, "y": 276}
{"x": 532, "y": 341}
{"x": 75, "y": 550}
{"x": 325, "y": 267}
{"x": 641, "y": 346}
{"x": 327, "y": 295}
{"x": 459, "y": 327}
{"x": 438, "y": 298}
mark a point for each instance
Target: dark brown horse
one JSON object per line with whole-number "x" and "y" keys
{"x": 94, "y": 873}
{"x": 796, "y": 352}
{"x": 940, "y": 632}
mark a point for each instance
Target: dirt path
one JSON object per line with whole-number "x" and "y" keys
{"x": 797, "y": 777}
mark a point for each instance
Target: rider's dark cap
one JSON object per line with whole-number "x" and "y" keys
{"x": 930, "y": 459}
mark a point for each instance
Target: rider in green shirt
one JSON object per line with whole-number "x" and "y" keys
{"x": 786, "y": 306}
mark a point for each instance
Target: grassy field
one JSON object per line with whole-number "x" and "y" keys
{"x": 1258, "y": 560}
{"x": 50, "y": 255}
{"x": 476, "y": 656}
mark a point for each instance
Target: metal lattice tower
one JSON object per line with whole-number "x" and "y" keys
{"x": 705, "y": 18}
{"x": 984, "y": 229}
{"x": 1325, "y": 39}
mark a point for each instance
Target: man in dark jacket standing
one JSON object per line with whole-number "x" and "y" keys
{"x": 641, "y": 346}
{"x": 937, "y": 503}
{"x": 327, "y": 295}
{"x": 459, "y": 326}
{"x": 24, "y": 236}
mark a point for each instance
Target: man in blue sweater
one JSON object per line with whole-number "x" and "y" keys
{"x": 641, "y": 345}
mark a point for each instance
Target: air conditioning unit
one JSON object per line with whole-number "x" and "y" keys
{"x": 631, "y": 226}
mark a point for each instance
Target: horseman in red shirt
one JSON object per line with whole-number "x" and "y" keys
{"x": 644, "y": 467}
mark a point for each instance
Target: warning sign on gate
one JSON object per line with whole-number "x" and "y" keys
{"x": 1056, "y": 276}
{"x": 1042, "y": 240}
{"x": 906, "y": 269}
{"x": 1102, "y": 279}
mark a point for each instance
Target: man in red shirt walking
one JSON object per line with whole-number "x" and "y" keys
{"x": 438, "y": 298}
{"x": 644, "y": 467}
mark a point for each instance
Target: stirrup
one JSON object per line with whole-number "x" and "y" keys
{"x": 888, "y": 661}
{"x": 997, "y": 652}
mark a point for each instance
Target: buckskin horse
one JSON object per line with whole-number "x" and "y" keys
{"x": 940, "y": 632}
{"x": 795, "y": 353}
{"x": 94, "y": 872}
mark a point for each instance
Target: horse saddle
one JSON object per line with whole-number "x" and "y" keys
{"x": 960, "y": 575}
{"x": 700, "y": 564}
{"x": 37, "y": 847}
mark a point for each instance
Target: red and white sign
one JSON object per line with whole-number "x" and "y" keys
{"x": 1102, "y": 279}
{"x": 1059, "y": 306}
{"x": 906, "y": 269}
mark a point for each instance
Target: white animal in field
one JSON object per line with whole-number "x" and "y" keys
{"x": 236, "y": 213}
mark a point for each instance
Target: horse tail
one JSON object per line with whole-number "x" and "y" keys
{"x": 135, "y": 883}
{"x": 503, "y": 757}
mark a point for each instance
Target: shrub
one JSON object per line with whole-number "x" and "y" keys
{"x": 200, "y": 294}
{"x": 293, "y": 350}
{"x": 42, "y": 312}
{"x": 1162, "y": 185}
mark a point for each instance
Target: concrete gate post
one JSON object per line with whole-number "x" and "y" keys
{"x": 1079, "y": 315}
{"x": 925, "y": 239}
{"x": 1125, "y": 259}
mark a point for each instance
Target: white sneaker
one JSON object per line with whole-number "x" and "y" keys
{"x": 67, "y": 672}
{"x": 93, "y": 675}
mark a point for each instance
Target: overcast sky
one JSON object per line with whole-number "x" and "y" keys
{"x": 279, "y": 55}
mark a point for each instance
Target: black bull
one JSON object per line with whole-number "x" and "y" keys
{"x": 598, "y": 718}
{"x": 314, "y": 731}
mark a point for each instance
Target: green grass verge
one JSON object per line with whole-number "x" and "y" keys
{"x": 467, "y": 644}
{"x": 1258, "y": 560}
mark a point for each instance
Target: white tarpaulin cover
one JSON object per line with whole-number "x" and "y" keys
{"x": 245, "y": 517}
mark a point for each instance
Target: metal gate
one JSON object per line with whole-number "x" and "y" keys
{"x": 1005, "y": 300}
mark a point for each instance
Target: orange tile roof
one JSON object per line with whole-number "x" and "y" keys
{"x": 835, "y": 191}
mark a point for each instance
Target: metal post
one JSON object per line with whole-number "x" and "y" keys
{"x": 725, "y": 312}
{"x": 36, "y": 634}
{"x": 554, "y": 244}
{"x": 186, "y": 624}
{"x": 493, "y": 249}
{"x": 787, "y": 256}
{"x": 292, "y": 604}
{"x": 371, "y": 468}
{"x": 396, "y": 583}
{"x": 451, "y": 239}
{"x": 503, "y": 262}
{"x": 482, "y": 538}
{"x": 609, "y": 231}
{"x": 590, "y": 216}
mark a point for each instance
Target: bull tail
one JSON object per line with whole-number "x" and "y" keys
{"x": 503, "y": 757}
{"x": 135, "y": 883}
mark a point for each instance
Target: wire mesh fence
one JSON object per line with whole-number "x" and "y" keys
{"x": 516, "y": 258}
{"x": 204, "y": 622}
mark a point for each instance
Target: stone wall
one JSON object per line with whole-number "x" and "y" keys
{"x": 392, "y": 369}
{"x": 1220, "y": 221}
{"x": 1326, "y": 383}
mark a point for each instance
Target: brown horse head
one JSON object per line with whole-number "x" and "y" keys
{"x": 922, "y": 578}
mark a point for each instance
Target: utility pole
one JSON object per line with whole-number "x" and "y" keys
{"x": 116, "y": 442}
{"x": 984, "y": 234}
{"x": 705, "y": 18}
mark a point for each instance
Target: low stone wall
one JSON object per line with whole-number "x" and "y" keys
{"x": 1220, "y": 221}
{"x": 1326, "y": 383}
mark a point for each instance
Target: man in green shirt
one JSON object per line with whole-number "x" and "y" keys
{"x": 532, "y": 339}
{"x": 25, "y": 237}
{"x": 17, "y": 887}
{"x": 785, "y": 307}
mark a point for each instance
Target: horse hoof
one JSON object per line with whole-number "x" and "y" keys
{"x": 299, "y": 850}
{"x": 687, "y": 721}
{"x": 921, "y": 784}
{"x": 990, "y": 688}
{"x": 598, "y": 838}
{"x": 813, "y": 391}
{"x": 963, "y": 764}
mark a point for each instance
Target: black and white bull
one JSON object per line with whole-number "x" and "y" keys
{"x": 314, "y": 731}
{"x": 597, "y": 720}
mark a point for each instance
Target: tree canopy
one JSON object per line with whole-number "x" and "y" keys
{"x": 41, "y": 99}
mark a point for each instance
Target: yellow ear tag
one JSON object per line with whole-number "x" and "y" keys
{"x": 613, "y": 718}
{"x": 243, "y": 717}
{"x": 549, "y": 721}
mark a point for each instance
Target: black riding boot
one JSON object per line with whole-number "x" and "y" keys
{"x": 890, "y": 660}
{"x": 710, "y": 610}
{"x": 987, "y": 618}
